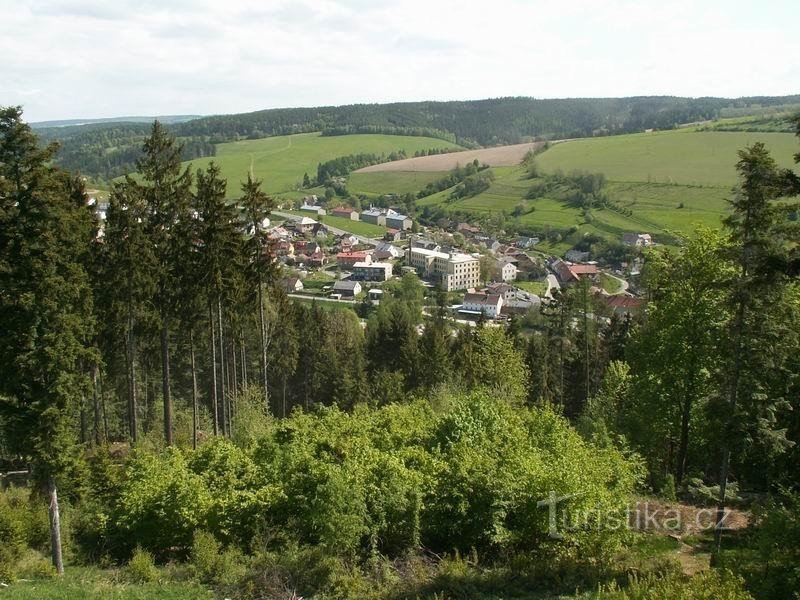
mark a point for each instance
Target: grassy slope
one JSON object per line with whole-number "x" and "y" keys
{"x": 397, "y": 182}
{"x": 671, "y": 181}
{"x": 683, "y": 156}
{"x": 281, "y": 161}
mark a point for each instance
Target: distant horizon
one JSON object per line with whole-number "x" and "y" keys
{"x": 83, "y": 119}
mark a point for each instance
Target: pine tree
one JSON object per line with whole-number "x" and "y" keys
{"x": 165, "y": 189}
{"x": 46, "y": 319}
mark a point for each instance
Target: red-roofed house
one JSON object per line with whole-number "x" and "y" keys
{"x": 622, "y": 304}
{"x": 348, "y": 259}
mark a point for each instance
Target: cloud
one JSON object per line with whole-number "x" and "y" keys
{"x": 71, "y": 58}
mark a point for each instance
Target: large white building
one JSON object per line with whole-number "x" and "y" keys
{"x": 451, "y": 271}
{"x": 489, "y": 305}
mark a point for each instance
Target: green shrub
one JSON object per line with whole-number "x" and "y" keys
{"x": 141, "y": 567}
{"x": 161, "y": 503}
{"x": 708, "y": 585}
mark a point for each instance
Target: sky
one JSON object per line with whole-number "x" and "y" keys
{"x": 104, "y": 58}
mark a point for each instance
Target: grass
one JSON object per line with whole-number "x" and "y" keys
{"x": 80, "y": 583}
{"x": 391, "y": 182}
{"x": 683, "y": 156}
{"x": 610, "y": 284}
{"x": 357, "y": 227}
{"x": 281, "y": 161}
{"x": 534, "y": 287}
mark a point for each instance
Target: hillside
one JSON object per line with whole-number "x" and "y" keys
{"x": 106, "y": 150}
{"x": 281, "y": 161}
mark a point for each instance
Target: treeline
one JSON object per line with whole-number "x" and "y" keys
{"x": 390, "y": 130}
{"x": 468, "y": 123}
{"x": 454, "y": 177}
{"x": 472, "y": 185}
{"x": 579, "y": 189}
{"x": 344, "y": 165}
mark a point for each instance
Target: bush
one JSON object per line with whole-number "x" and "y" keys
{"x": 161, "y": 503}
{"x": 708, "y": 585}
{"x": 141, "y": 567}
{"x": 213, "y": 565}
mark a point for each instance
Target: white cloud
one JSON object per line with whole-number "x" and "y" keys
{"x": 70, "y": 58}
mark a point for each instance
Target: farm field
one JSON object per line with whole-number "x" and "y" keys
{"x": 281, "y": 161}
{"x": 391, "y": 182}
{"x": 683, "y": 156}
{"x": 500, "y": 156}
{"x": 357, "y": 227}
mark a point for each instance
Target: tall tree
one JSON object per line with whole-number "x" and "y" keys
{"x": 257, "y": 207}
{"x": 46, "y": 320}
{"x": 166, "y": 189}
{"x": 762, "y": 243}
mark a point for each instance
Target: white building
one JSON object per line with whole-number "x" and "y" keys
{"x": 489, "y": 305}
{"x": 506, "y": 270}
{"x": 452, "y": 271}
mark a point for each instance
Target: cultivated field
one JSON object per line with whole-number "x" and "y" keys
{"x": 281, "y": 161}
{"x": 391, "y": 182}
{"x": 501, "y": 156}
{"x": 683, "y": 156}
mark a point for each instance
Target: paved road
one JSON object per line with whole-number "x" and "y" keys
{"x": 335, "y": 230}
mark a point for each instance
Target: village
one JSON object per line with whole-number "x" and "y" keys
{"x": 485, "y": 278}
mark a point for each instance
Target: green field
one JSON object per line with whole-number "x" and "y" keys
{"x": 281, "y": 161}
{"x": 356, "y": 227}
{"x": 394, "y": 182}
{"x": 683, "y": 156}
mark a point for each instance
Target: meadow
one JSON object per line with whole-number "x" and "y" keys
{"x": 281, "y": 161}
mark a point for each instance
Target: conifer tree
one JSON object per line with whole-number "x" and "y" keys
{"x": 46, "y": 319}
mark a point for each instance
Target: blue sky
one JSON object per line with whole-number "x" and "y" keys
{"x": 103, "y": 58}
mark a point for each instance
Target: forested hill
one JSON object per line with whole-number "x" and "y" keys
{"x": 104, "y": 149}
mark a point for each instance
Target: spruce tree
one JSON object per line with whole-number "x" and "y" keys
{"x": 46, "y": 319}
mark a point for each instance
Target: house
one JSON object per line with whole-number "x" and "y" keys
{"x": 375, "y": 295}
{"x": 372, "y": 271}
{"x": 317, "y": 259}
{"x": 506, "y": 269}
{"x": 638, "y": 240}
{"x": 624, "y": 304}
{"x": 345, "y": 212}
{"x": 386, "y": 252}
{"x": 346, "y": 260}
{"x": 292, "y": 285}
{"x": 393, "y": 235}
{"x": 307, "y": 247}
{"x": 313, "y": 208}
{"x": 374, "y": 215}
{"x": 526, "y": 242}
{"x": 304, "y": 225}
{"x": 347, "y": 288}
{"x": 571, "y": 273}
{"x": 397, "y": 221}
{"x": 490, "y": 244}
{"x": 574, "y": 255}
{"x": 502, "y": 289}
{"x": 479, "y": 303}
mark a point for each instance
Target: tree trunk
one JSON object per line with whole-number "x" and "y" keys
{"x": 244, "y": 365}
{"x": 55, "y": 526}
{"x": 284, "y": 397}
{"x": 96, "y": 403}
{"x": 222, "y": 368}
{"x": 133, "y": 405}
{"x": 194, "y": 390}
{"x": 263, "y": 343}
{"x": 165, "y": 385}
{"x": 214, "y": 403}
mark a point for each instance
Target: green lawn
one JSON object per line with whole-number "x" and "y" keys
{"x": 534, "y": 287}
{"x": 80, "y": 583}
{"x": 391, "y": 182}
{"x": 682, "y": 156}
{"x": 281, "y": 161}
{"x": 357, "y": 227}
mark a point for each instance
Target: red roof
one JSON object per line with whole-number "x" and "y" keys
{"x": 347, "y": 255}
{"x": 623, "y": 301}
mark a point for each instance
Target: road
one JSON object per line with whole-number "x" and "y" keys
{"x": 552, "y": 284}
{"x": 335, "y": 230}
